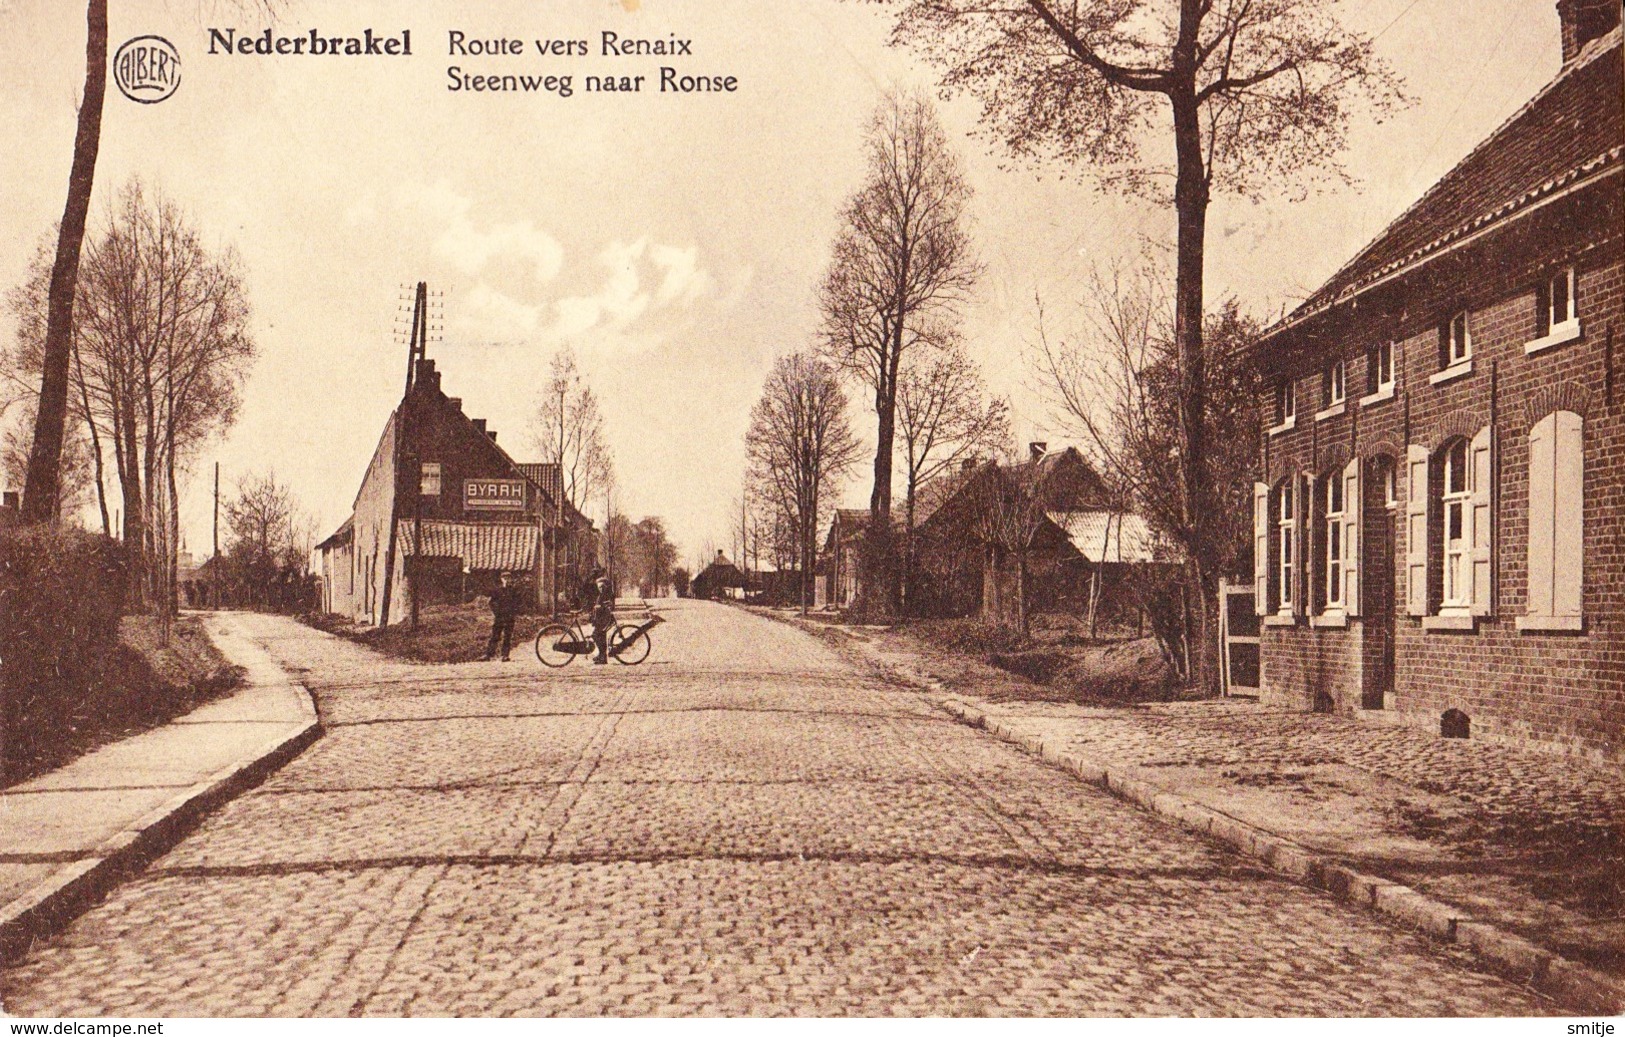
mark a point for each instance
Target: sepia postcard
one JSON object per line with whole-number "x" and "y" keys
{"x": 822, "y": 508}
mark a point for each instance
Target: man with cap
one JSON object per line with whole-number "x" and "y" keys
{"x": 603, "y": 613}
{"x": 505, "y": 602}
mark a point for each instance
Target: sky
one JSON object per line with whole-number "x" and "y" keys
{"x": 673, "y": 242}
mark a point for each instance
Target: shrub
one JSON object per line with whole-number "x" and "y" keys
{"x": 61, "y": 593}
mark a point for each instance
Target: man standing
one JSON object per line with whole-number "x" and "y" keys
{"x": 603, "y": 613}
{"x": 505, "y": 601}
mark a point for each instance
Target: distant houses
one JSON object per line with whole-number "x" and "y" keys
{"x": 442, "y": 510}
{"x": 990, "y": 539}
{"x": 1439, "y": 513}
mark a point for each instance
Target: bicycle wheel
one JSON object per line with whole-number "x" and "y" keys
{"x": 631, "y": 645}
{"x": 556, "y": 645}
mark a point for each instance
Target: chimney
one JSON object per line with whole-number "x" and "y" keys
{"x": 455, "y": 401}
{"x": 479, "y": 423}
{"x": 493, "y": 434}
{"x": 1584, "y": 21}
{"x": 1037, "y": 450}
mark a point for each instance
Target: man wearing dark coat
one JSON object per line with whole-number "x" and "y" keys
{"x": 505, "y": 602}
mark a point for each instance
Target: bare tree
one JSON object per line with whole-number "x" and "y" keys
{"x": 159, "y": 351}
{"x": 901, "y": 265}
{"x": 76, "y": 488}
{"x": 40, "y": 502}
{"x": 268, "y": 536}
{"x": 798, "y": 445}
{"x": 569, "y": 431}
{"x": 1115, "y": 387}
{"x": 1252, "y": 93}
{"x": 944, "y": 417}
{"x": 1003, "y": 514}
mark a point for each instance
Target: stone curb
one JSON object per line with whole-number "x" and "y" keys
{"x": 1578, "y": 987}
{"x": 70, "y": 890}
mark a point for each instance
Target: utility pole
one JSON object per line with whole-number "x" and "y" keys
{"x": 413, "y": 354}
{"x": 216, "y": 510}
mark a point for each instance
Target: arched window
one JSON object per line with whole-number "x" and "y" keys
{"x": 1449, "y": 529}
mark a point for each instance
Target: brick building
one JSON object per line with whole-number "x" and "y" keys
{"x": 1440, "y": 524}
{"x": 481, "y": 513}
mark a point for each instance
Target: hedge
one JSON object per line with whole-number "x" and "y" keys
{"x": 61, "y": 595}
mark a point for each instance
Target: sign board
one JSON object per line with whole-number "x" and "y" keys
{"x": 493, "y": 494}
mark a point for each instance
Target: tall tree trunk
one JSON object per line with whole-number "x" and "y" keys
{"x": 879, "y": 554}
{"x": 43, "y": 488}
{"x": 1190, "y": 206}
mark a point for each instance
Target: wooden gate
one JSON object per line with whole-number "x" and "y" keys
{"x": 1239, "y": 669}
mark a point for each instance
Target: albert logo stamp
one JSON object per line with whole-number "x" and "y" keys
{"x": 147, "y": 69}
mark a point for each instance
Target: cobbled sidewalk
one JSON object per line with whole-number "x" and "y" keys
{"x": 1529, "y": 842}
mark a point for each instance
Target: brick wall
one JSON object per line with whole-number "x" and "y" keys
{"x": 1566, "y": 689}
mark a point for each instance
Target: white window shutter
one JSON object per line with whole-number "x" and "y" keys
{"x": 1302, "y": 543}
{"x": 1483, "y": 519}
{"x": 1568, "y": 509}
{"x": 1416, "y": 530}
{"x": 1353, "y": 507}
{"x": 1542, "y": 511}
{"x": 1261, "y": 548}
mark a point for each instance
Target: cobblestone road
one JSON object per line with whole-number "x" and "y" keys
{"x": 745, "y": 824}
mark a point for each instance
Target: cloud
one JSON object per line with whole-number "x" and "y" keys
{"x": 471, "y": 247}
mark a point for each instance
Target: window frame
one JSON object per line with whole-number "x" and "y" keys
{"x": 1452, "y": 342}
{"x": 1549, "y": 331}
{"x": 430, "y": 472}
{"x": 1286, "y": 554}
{"x": 1455, "y": 553}
{"x": 1284, "y": 406}
{"x": 1334, "y": 551}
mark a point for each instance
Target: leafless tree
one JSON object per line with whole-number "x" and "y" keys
{"x": 902, "y": 264}
{"x": 944, "y": 417}
{"x": 1250, "y": 94}
{"x": 798, "y": 445}
{"x": 1003, "y": 514}
{"x": 1114, "y": 386}
{"x": 159, "y": 351}
{"x": 268, "y": 534}
{"x": 568, "y": 429}
{"x": 40, "y": 503}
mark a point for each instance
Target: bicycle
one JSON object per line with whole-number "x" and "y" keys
{"x": 559, "y": 642}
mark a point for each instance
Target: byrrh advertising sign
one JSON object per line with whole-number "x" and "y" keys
{"x": 493, "y": 494}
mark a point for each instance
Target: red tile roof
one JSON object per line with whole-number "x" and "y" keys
{"x": 1573, "y": 128}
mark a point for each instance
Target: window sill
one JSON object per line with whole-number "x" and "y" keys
{"x": 1460, "y": 369}
{"x": 1381, "y": 395}
{"x": 1333, "y": 411}
{"x": 1286, "y": 426}
{"x": 1277, "y": 619}
{"x": 1449, "y": 623}
{"x": 1330, "y": 621}
{"x": 1567, "y": 331}
{"x": 1550, "y": 624}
